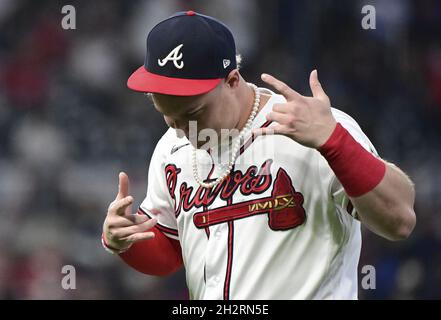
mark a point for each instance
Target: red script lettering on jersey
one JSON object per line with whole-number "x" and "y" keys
{"x": 253, "y": 181}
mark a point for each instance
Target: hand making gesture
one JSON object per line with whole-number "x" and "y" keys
{"x": 307, "y": 120}
{"x": 121, "y": 227}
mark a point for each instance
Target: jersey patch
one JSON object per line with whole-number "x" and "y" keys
{"x": 284, "y": 208}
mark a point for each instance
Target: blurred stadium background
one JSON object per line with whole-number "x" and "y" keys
{"x": 68, "y": 125}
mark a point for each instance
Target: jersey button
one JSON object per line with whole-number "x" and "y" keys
{"x": 217, "y": 279}
{"x": 217, "y": 235}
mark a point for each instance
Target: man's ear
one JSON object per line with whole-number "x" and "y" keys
{"x": 233, "y": 79}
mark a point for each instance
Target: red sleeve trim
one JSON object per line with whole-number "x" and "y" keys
{"x": 160, "y": 256}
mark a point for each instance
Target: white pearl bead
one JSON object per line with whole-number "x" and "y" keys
{"x": 236, "y": 144}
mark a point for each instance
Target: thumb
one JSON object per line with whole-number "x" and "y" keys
{"x": 123, "y": 186}
{"x": 316, "y": 87}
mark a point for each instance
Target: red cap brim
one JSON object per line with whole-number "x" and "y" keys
{"x": 143, "y": 81}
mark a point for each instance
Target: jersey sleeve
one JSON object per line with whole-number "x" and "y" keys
{"x": 158, "y": 203}
{"x": 338, "y": 194}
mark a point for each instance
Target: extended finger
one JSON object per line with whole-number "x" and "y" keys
{"x": 289, "y": 93}
{"x": 316, "y": 87}
{"x": 123, "y": 185}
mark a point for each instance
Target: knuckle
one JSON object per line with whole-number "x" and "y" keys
{"x": 271, "y": 115}
{"x": 292, "y": 107}
{"x": 279, "y": 129}
{"x": 114, "y": 206}
{"x": 110, "y": 225}
{"x": 115, "y": 234}
{"x": 298, "y": 111}
{"x": 110, "y": 233}
{"x": 270, "y": 130}
{"x": 112, "y": 222}
{"x": 111, "y": 206}
{"x": 121, "y": 235}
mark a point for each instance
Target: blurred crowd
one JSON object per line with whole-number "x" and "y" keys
{"x": 68, "y": 125}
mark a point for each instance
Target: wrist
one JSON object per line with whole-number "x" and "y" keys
{"x": 326, "y": 135}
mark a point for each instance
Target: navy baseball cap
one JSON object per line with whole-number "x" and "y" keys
{"x": 187, "y": 54}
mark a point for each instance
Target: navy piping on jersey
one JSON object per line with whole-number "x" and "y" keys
{"x": 230, "y": 256}
{"x": 252, "y": 138}
{"x": 229, "y": 260}
{"x": 205, "y": 208}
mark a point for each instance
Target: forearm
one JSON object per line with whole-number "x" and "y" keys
{"x": 382, "y": 194}
{"x": 159, "y": 256}
{"x": 388, "y": 209}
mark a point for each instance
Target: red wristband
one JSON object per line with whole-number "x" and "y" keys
{"x": 357, "y": 169}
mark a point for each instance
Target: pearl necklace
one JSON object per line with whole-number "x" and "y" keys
{"x": 236, "y": 146}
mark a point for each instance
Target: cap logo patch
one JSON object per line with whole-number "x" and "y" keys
{"x": 226, "y": 63}
{"x": 174, "y": 56}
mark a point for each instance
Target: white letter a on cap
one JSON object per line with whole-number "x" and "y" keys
{"x": 174, "y": 56}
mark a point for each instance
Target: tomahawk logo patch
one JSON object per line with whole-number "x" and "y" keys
{"x": 284, "y": 208}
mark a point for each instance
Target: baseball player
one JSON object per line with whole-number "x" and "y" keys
{"x": 279, "y": 217}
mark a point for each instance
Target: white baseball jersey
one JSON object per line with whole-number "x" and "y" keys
{"x": 279, "y": 227}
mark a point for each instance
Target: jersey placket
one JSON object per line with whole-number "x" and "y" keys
{"x": 217, "y": 252}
